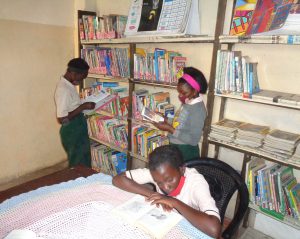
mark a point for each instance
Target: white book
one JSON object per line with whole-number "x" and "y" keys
{"x": 151, "y": 219}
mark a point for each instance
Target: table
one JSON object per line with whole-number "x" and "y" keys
{"x": 76, "y": 208}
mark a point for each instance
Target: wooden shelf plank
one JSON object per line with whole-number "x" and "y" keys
{"x": 237, "y": 97}
{"x": 254, "y": 39}
{"x": 109, "y": 145}
{"x": 254, "y": 152}
{"x": 152, "y": 39}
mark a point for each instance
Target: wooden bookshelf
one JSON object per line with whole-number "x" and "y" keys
{"x": 261, "y": 39}
{"x": 109, "y": 145}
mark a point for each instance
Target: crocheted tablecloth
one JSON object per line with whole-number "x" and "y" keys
{"x": 78, "y": 208}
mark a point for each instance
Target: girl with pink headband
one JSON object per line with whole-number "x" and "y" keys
{"x": 186, "y": 130}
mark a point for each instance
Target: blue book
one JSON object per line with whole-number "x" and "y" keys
{"x": 119, "y": 160}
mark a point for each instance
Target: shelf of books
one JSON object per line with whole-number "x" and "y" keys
{"x": 151, "y": 83}
{"x": 112, "y": 146}
{"x": 261, "y": 39}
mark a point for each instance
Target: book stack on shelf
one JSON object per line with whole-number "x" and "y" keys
{"x": 108, "y": 130}
{"x": 158, "y": 66}
{"x": 106, "y": 27}
{"x": 107, "y": 60}
{"x": 273, "y": 189}
{"x": 235, "y": 74}
{"x": 224, "y": 130}
{"x": 280, "y": 144}
{"x": 296, "y": 156}
{"x": 107, "y": 160}
{"x": 145, "y": 139}
{"x": 251, "y": 135}
{"x": 156, "y": 102}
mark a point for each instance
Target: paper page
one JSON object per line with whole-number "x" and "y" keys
{"x": 158, "y": 222}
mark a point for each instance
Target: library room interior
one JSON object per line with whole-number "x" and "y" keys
{"x": 150, "y": 119}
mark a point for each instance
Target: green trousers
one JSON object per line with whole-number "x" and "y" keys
{"x": 75, "y": 140}
{"x": 189, "y": 152}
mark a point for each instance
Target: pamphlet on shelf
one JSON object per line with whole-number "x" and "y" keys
{"x": 149, "y": 218}
{"x": 163, "y": 18}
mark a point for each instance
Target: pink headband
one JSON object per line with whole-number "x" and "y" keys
{"x": 192, "y": 82}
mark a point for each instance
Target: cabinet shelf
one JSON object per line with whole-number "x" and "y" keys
{"x": 139, "y": 157}
{"x": 280, "y": 39}
{"x": 159, "y": 84}
{"x": 254, "y": 152}
{"x": 109, "y": 145}
{"x": 286, "y": 220}
{"x": 152, "y": 39}
{"x": 108, "y": 78}
{"x": 237, "y": 97}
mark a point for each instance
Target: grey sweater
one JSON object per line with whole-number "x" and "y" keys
{"x": 191, "y": 122}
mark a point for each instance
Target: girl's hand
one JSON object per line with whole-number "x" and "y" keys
{"x": 159, "y": 199}
{"x": 164, "y": 126}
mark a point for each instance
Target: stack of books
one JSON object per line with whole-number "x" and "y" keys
{"x": 280, "y": 144}
{"x": 296, "y": 156}
{"x": 251, "y": 135}
{"x": 224, "y": 130}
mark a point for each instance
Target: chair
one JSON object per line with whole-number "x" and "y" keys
{"x": 223, "y": 181}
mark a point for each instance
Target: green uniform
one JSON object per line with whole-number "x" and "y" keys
{"x": 75, "y": 140}
{"x": 189, "y": 152}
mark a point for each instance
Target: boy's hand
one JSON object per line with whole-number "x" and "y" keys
{"x": 164, "y": 126}
{"x": 89, "y": 105}
{"x": 159, "y": 199}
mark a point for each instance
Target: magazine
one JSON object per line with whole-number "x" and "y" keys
{"x": 151, "y": 219}
{"x": 151, "y": 115}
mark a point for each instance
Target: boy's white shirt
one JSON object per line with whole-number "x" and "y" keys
{"x": 66, "y": 98}
{"x": 195, "y": 191}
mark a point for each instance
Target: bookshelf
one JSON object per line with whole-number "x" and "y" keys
{"x": 230, "y": 104}
{"x": 156, "y": 41}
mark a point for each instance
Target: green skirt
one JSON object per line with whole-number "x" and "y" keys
{"x": 75, "y": 140}
{"x": 189, "y": 152}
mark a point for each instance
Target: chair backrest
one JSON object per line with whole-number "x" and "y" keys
{"x": 223, "y": 181}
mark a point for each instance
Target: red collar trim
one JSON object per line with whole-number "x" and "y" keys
{"x": 177, "y": 190}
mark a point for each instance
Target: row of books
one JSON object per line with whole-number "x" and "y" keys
{"x": 106, "y": 27}
{"x": 106, "y": 60}
{"x": 273, "y": 187}
{"x": 112, "y": 106}
{"x": 275, "y": 142}
{"x": 266, "y": 17}
{"x": 236, "y": 74}
{"x": 158, "y": 101}
{"x": 158, "y": 66}
{"x": 109, "y": 130}
{"x": 107, "y": 160}
{"x": 145, "y": 139}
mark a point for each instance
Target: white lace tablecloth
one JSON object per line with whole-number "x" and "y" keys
{"x": 78, "y": 208}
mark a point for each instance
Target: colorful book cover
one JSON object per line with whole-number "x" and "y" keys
{"x": 241, "y": 16}
{"x": 266, "y": 12}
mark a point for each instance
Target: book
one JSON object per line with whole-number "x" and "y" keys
{"x": 151, "y": 115}
{"x": 242, "y": 16}
{"x": 153, "y": 220}
{"x": 269, "y": 15}
{"x": 101, "y": 100}
{"x": 163, "y": 18}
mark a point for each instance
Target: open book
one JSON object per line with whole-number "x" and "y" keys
{"x": 101, "y": 100}
{"x": 151, "y": 115}
{"x": 151, "y": 219}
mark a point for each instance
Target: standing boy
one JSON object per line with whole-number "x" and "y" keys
{"x": 73, "y": 132}
{"x": 180, "y": 188}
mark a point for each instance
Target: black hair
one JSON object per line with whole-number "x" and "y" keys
{"x": 197, "y": 75}
{"x": 165, "y": 154}
{"x": 78, "y": 65}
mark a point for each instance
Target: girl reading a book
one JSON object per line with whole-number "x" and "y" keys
{"x": 186, "y": 130}
{"x": 177, "y": 187}
{"x": 73, "y": 132}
